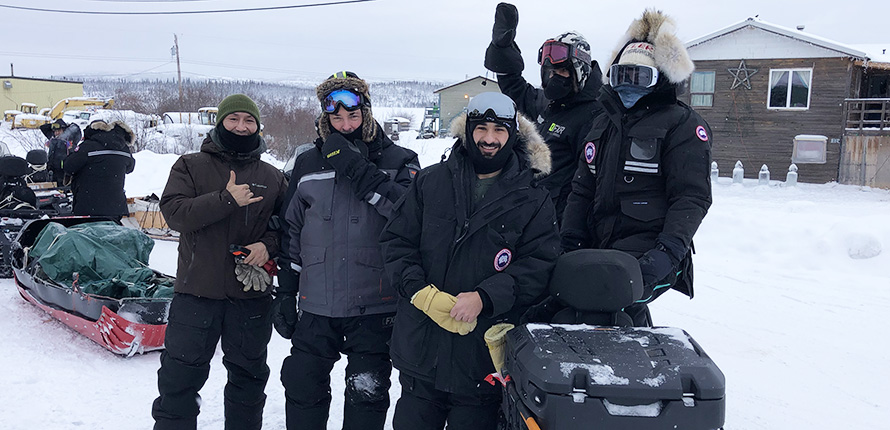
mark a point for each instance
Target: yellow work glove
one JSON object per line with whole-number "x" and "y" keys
{"x": 495, "y": 338}
{"x": 437, "y": 305}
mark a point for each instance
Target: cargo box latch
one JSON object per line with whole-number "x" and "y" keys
{"x": 579, "y": 387}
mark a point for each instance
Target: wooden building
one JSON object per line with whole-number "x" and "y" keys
{"x": 454, "y": 98}
{"x": 16, "y": 90}
{"x": 774, "y": 96}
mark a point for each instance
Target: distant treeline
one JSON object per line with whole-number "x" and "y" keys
{"x": 288, "y": 110}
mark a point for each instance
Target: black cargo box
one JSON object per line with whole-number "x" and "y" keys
{"x": 614, "y": 378}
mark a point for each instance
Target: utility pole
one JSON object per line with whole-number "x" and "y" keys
{"x": 178, "y": 70}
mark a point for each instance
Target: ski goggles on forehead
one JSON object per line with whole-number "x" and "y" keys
{"x": 633, "y": 74}
{"x": 346, "y": 98}
{"x": 491, "y": 106}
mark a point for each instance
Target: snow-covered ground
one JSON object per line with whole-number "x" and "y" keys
{"x": 790, "y": 283}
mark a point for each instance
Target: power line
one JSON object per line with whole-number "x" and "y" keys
{"x": 79, "y": 57}
{"x": 188, "y": 12}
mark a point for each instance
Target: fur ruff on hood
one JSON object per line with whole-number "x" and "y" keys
{"x": 660, "y": 30}
{"x": 100, "y": 125}
{"x": 369, "y": 125}
{"x": 530, "y": 146}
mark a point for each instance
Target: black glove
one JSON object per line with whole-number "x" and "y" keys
{"x": 284, "y": 305}
{"x": 345, "y": 157}
{"x": 503, "y": 55}
{"x": 655, "y": 265}
{"x": 506, "y": 18}
{"x": 349, "y": 161}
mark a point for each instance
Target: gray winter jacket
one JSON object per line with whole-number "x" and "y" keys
{"x": 332, "y": 236}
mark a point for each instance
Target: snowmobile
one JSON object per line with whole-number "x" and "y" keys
{"x": 588, "y": 367}
{"x": 19, "y": 203}
{"x": 90, "y": 273}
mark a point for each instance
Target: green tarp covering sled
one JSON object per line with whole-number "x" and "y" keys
{"x": 101, "y": 258}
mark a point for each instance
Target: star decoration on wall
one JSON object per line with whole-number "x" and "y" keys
{"x": 742, "y": 75}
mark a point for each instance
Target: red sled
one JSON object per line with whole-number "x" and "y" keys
{"x": 124, "y": 326}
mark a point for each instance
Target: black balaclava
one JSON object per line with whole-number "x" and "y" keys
{"x": 484, "y": 165}
{"x": 556, "y": 87}
{"x": 237, "y": 143}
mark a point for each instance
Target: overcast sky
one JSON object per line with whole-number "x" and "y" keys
{"x": 380, "y": 39}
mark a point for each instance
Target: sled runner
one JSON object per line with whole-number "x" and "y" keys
{"x": 90, "y": 274}
{"x": 577, "y": 374}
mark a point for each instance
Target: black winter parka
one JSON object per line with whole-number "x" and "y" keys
{"x": 643, "y": 180}
{"x": 562, "y": 123}
{"x": 504, "y": 247}
{"x": 98, "y": 167}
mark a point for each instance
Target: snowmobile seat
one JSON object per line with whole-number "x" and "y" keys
{"x": 13, "y": 167}
{"x": 596, "y": 285}
{"x": 36, "y": 157}
{"x": 14, "y": 192}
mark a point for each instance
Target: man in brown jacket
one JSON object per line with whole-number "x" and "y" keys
{"x": 223, "y": 195}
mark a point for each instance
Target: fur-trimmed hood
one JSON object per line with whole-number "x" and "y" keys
{"x": 670, "y": 54}
{"x": 530, "y": 146}
{"x": 100, "y": 126}
{"x": 342, "y": 81}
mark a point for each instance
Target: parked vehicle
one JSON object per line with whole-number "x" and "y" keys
{"x": 35, "y": 120}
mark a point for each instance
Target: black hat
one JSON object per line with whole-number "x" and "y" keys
{"x": 48, "y": 128}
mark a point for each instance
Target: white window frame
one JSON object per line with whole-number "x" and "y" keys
{"x": 769, "y": 93}
{"x": 711, "y": 93}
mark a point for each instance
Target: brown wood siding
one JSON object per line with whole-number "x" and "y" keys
{"x": 866, "y": 160}
{"x": 744, "y": 129}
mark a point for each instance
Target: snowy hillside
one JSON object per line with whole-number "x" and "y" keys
{"x": 790, "y": 285}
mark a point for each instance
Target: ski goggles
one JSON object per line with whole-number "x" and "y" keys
{"x": 346, "y": 98}
{"x": 633, "y": 74}
{"x": 557, "y": 52}
{"x": 492, "y": 107}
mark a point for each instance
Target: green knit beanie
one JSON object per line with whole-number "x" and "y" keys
{"x": 237, "y": 103}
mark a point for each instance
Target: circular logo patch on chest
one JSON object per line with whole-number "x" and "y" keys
{"x": 589, "y": 152}
{"x": 502, "y": 259}
{"x": 701, "y": 133}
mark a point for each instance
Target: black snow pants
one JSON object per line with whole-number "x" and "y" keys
{"x": 194, "y": 327}
{"x": 318, "y": 342}
{"x": 423, "y": 407}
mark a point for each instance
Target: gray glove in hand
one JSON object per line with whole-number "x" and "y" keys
{"x": 253, "y": 277}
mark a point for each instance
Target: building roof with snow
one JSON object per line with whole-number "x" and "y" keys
{"x": 754, "y": 38}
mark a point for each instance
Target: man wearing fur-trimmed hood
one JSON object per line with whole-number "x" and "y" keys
{"x": 471, "y": 245}
{"x": 642, "y": 184}
{"x": 98, "y": 168}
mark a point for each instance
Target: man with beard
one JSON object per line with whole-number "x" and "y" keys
{"x": 565, "y": 106}
{"x": 341, "y": 194}
{"x": 642, "y": 185}
{"x": 471, "y": 244}
{"x": 222, "y": 196}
